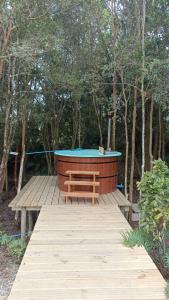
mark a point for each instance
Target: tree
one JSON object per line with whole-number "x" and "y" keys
{"x": 75, "y": 61}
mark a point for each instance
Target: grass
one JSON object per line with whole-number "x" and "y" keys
{"x": 138, "y": 237}
{"x": 15, "y": 247}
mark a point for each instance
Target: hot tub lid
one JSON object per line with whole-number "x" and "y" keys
{"x": 86, "y": 153}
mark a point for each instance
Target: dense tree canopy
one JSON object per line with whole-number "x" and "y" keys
{"x": 64, "y": 65}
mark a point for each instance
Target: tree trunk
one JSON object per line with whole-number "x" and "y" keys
{"x": 48, "y": 160}
{"x": 147, "y": 135}
{"x": 6, "y": 180}
{"x": 79, "y": 124}
{"x": 151, "y": 133}
{"x": 114, "y": 94}
{"x": 163, "y": 141}
{"x": 133, "y": 141}
{"x": 3, "y": 166}
{"x": 16, "y": 169}
{"x": 23, "y": 151}
{"x": 9, "y": 126}
{"x": 114, "y": 114}
{"x": 138, "y": 166}
{"x": 47, "y": 146}
{"x": 142, "y": 85}
{"x": 55, "y": 140}
{"x": 22, "y": 158}
{"x": 75, "y": 125}
{"x": 8, "y": 130}
{"x": 98, "y": 121}
{"x": 21, "y": 169}
{"x": 155, "y": 148}
{"x": 5, "y": 40}
{"x": 126, "y": 136}
{"x": 160, "y": 132}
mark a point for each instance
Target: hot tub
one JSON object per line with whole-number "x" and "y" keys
{"x": 89, "y": 160}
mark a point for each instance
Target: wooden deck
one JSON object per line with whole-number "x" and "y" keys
{"x": 77, "y": 254}
{"x": 43, "y": 190}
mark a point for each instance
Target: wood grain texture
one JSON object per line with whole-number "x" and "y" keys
{"x": 75, "y": 182}
{"x": 78, "y": 254}
{"x": 106, "y": 169}
{"x": 44, "y": 190}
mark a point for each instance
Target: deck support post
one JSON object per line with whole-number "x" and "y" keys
{"x": 125, "y": 212}
{"x": 30, "y": 221}
{"x": 23, "y": 223}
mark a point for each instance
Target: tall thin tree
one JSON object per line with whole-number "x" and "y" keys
{"x": 142, "y": 82}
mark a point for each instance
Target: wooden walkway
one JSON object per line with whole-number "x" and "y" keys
{"x": 77, "y": 253}
{"x": 43, "y": 190}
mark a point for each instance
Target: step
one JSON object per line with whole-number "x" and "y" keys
{"x": 69, "y": 172}
{"x": 86, "y": 183}
{"x": 81, "y": 194}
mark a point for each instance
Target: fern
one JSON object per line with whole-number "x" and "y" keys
{"x": 4, "y": 239}
{"x": 138, "y": 237}
{"x": 17, "y": 248}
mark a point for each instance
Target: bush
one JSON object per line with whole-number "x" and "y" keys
{"x": 153, "y": 233}
{"x": 154, "y": 203}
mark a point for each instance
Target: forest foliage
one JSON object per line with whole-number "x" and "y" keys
{"x": 153, "y": 230}
{"x": 64, "y": 65}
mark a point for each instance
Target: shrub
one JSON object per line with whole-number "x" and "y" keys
{"x": 153, "y": 233}
{"x": 154, "y": 202}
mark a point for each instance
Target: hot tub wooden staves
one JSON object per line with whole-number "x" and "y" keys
{"x": 106, "y": 166}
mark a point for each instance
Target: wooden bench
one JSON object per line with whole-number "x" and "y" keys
{"x": 81, "y": 194}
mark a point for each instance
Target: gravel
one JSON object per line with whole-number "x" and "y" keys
{"x": 8, "y": 269}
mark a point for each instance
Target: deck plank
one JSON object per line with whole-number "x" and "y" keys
{"x": 43, "y": 196}
{"x": 51, "y": 191}
{"x": 37, "y": 193}
{"x": 20, "y": 199}
{"x": 77, "y": 253}
{"x": 27, "y": 200}
{"x": 43, "y": 190}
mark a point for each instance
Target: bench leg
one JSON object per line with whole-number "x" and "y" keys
{"x": 23, "y": 223}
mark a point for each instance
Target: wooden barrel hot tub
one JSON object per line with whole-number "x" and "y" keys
{"x": 89, "y": 160}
